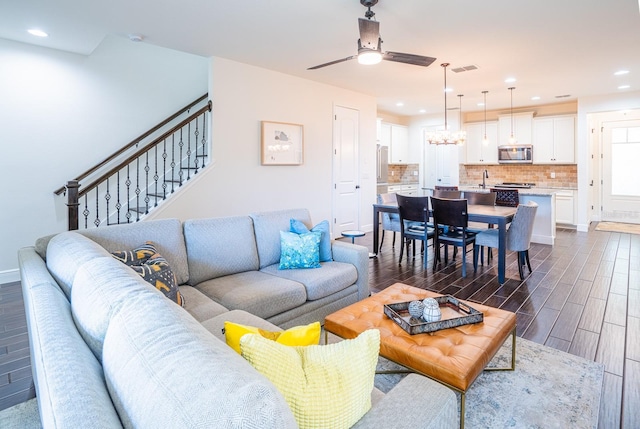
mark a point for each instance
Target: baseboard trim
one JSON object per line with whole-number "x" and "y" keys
{"x": 9, "y": 276}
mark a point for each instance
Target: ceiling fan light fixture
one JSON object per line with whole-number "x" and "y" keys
{"x": 369, "y": 56}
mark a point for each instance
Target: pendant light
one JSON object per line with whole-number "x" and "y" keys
{"x": 463, "y": 136}
{"x": 485, "y": 140}
{"x": 512, "y": 139}
{"x": 445, "y": 136}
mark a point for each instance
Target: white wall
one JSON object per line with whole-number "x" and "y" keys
{"x": 61, "y": 113}
{"x": 236, "y": 184}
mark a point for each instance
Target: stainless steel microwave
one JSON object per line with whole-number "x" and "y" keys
{"x": 515, "y": 154}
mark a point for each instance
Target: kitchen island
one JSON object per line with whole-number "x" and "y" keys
{"x": 544, "y": 227}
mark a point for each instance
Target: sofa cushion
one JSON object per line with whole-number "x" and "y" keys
{"x": 299, "y": 250}
{"x": 218, "y": 247}
{"x": 215, "y": 325}
{"x": 325, "y": 241}
{"x": 174, "y": 374}
{"x": 267, "y": 226}
{"x": 306, "y": 335}
{"x": 258, "y": 293}
{"x": 200, "y": 306}
{"x": 328, "y": 279}
{"x": 325, "y": 386}
{"x": 165, "y": 233}
{"x": 66, "y": 253}
{"x": 100, "y": 288}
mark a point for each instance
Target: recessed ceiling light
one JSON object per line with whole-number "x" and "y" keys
{"x": 134, "y": 37}
{"x": 621, "y": 72}
{"x": 448, "y": 89}
{"x": 422, "y": 111}
{"x": 38, "y": 33}
{"x": 399, "y": 104}
{"x": 624, "y": 87}
{"x": 535, "y": 98}
{"x": 481, "y": 104}
{"x": 510, "y": 80}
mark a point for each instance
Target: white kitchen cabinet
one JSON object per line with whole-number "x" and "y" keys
{"x": 477, "y": 151}
{"x": 522, "y": 128}
{"x": 554, "y": 140}
{"x": 399, "y": 149}
{"x": 411, "y": 189}
{"x": 385, "y": 135}
{"x": 565, "y": 207}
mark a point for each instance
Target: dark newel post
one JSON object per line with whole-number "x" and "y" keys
{"x": 72, "y": 203}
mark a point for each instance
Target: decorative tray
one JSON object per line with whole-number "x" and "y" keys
{"x": 454, "y": 313}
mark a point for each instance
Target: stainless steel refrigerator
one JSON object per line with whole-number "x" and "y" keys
{"x": 382, "y": 168}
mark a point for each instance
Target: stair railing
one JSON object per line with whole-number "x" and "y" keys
{"x": 140, "y": 175}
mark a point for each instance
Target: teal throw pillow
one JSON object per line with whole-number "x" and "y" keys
{"x": 299, "y": 250}
{"x": 325, "y": 241}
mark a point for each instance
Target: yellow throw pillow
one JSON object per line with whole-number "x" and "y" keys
{"x": 325, "y": 386}
{"x": 297, "y": 336}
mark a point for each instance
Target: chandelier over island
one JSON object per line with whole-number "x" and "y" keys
{"x": 446, "y": 136}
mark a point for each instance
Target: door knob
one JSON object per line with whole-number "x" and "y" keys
{"x": 357, "y": 186}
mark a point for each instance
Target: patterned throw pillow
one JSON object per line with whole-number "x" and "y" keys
{"x": 297, "y": 336}
{"x": 299, "y": 250}
{"x": 325, "y": 386}
{"x": 152, "y": 267}
{"x": 325, "y": 240}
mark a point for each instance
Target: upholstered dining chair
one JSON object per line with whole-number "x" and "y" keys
{"x": 451, "y": 194}
{"x": 455, "y": 218}
{"x": 390, "y": 221}
{"x": 507, "y": 197}
{"x": 414, "y": 217}
{"x": 483, "y": 199}
{"x": 518, "y": 236}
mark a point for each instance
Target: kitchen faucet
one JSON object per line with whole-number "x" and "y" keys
{"x": 485, "y": 174}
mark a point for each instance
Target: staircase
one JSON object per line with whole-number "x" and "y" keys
{"x": 135, "y": 179}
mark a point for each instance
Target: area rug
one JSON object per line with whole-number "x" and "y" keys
{"x": 629, "y": 228}
{"x": 548, "y": 389}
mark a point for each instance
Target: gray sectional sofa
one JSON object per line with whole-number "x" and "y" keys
{"x": 109, "y": 350}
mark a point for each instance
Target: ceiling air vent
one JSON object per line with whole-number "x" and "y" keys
{"x": 563, "y": 96}
{"x": 464, "y": 69}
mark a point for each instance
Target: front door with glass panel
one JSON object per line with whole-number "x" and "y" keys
{"x": 621, "y": 168}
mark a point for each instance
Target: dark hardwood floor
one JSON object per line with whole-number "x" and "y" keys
{"x": 583, "y": 297}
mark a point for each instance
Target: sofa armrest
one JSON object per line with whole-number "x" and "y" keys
{"x": 424, "y": 403}
{"x": 357, "y": 256}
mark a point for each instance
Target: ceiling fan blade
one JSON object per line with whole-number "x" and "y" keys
{"x": 333, "y": 62}
{"x": 369, "y": 33}
{"x": 416, "y": 60}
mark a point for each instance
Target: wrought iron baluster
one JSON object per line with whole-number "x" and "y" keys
{"x": 204, "y": 137}
{"x": 196, "y": 133}
{"x": 128, "y": 183}
{"x": 173, "y": 161}
{"x": 164, "y": 169}
{"x": 146, "y": 183}
{"x": 137, "y": 190}
{"x": 86, "y": 212}
{"x": 107, "y": 197}
{"x": 118, "y": 203}
{"x": 189, "y": 151}
{"x": 155, "y": 177}
{"x": 96, "y": 222}
{"x": 180, "y": 145}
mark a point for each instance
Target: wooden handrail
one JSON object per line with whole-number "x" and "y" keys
{"x": 139, "y": 152}
{"x": 135, "y": 141}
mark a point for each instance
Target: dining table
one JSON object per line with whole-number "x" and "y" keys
{"x": 499, "y": 216}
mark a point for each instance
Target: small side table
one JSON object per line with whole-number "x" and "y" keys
{"x": 353, "y": 233}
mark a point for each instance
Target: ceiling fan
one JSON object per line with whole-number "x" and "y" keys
{"x": 370, "y": 45}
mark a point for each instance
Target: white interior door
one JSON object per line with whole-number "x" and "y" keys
{"x": 621, "y": 175}
{"x": 346, "y": 195}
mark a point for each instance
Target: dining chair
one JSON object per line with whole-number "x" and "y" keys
{"x": 482, "y": 199}
{"x": 414, "y": 217}
{"x": 518, "y": 236}
{"x": 506, "y": 197}
{"x": 450, "y": 194}
{"x": 452, "y": 213}
{"x": 390, "y": 221}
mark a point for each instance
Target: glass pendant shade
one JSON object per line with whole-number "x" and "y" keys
{"x": 446, "y": 136}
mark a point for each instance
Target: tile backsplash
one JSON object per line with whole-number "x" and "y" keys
{"x": 403, "y": 173}
{"x": 566, "y": 176}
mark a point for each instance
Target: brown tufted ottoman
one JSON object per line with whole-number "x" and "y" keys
{"x": 454, "y": 357}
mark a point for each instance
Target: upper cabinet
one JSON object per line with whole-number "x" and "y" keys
{"x": 477, "y": 151}
{"x": 522, "y": 128}
{"x": 554, "y": 140}
{"x": 396, "y": 137}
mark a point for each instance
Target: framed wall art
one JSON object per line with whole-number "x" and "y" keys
{"x": 281, "y": 143}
